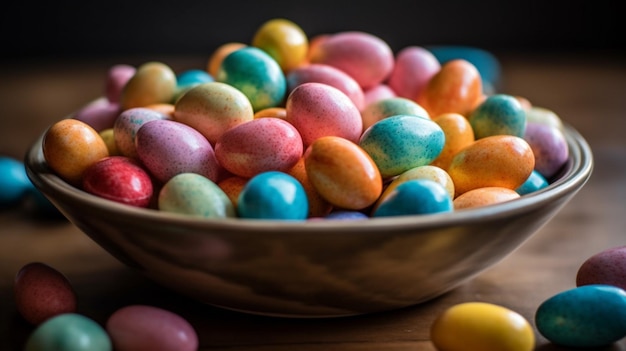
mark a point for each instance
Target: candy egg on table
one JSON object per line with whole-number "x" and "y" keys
{"x": 415, "y": 197}
{"x": 273, "y": 195}
{"x": 69, "y": 332}
{"x": 153, "y": 82}
{"x": 14, "y": 182}
{"x": 414, "y": 67}
{"x": 384, "y": 108}
{"x": 458, "y": 134}
{"x": 549, "y": 146}
{"x": 605, "y": 267}
{"x": 498, "y": 114}
{"x": 484, "y": 196}
{"x": 585, "y": 316}
{"x": 284, "y": 41}
{"x": 195, "y": 195}
{"x": 128, "y": 123}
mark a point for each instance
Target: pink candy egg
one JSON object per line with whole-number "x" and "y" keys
{"x": 318, "y": 109}
{"x": 119, "y": 179}
{"x": 263, "y": 144}
{"x": 116, "y": 78}
{"x": 365, "y": 57}
{"x": 414, "y": 67}
{"x": 148, "y": 328}
{"x": 100, "y": 114}
{"x": 168, "y": 148}
{"x": 42, "y": 292}
{"x": 128, "y": 123}
{"x": 605, "y": 267}
{"x": 377, "y": 93}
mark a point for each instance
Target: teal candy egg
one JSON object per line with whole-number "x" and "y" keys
{"x": 586, "y": 316}
{"x": 533, "y": 183}
{"x": 14, "y": 183}
{"x": 256, "y": 74}
{"x": 190, "y": 78}
{"x": 195, "y": 195}
{"x": 399, "y": 143}
{"x": 69, "y": 332}
{"x": 273, "y": 195}
{"x": 415, "y": 197}
{"x": 498, "y": 114}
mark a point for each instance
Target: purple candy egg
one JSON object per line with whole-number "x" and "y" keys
{"x": 605, "y": 267}
{"x": 549, "y": 146}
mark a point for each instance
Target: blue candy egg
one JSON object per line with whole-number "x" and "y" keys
{"x": 346, "y": 215}
{"x": 415, "y": 197}
{"x": 399, "y": 143}
{"x": 193, "y": 77}
{"x": 586, "y": 316}
{"x": 533, "y": 183}
{"x": 273, "y": 195}
{"x": 498, "y": 114}
{"x": 14, "y": 183}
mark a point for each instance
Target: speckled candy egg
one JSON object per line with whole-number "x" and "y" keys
{"x": 153, "y": 82}
{"x": 150, "y": 328}
{"x": 481, "y": 326}
{"x": 212, "y": 108}
{"x": 273, "y": 195}
{"x": 261, "y": 145}
{"x": 549, "y": 146}
{"x": 384, "y": 108}
{"x": 70, "y": 147}
{"x": 69, "y": 332}
{"x": 256, "y": 74}
{"x": 484, "y": 196}
{"x": 128, "y": 123}
{"x": 318, "y": 110}
{"x": 232, "y": 185}
{"x": 321, "y": 73}
{"x": 585, "y": 316}
{"x": 414, "y": 67}
{"x": 399, "y": 143}
{"x": 342, "y": 173}
{"x": 116, "y": 79}
{"x": 42, "y": 292}
{"x": 167, "y": 148}
{"x": 365, "y": 57}
{"x": 499, "y": 160}
{"x": 498, "y": 114}
{"x": 195, "y": 195}
{"x": 458, "y": 135}
{"x": 605, "y": 267}
{"x": 284, "y": 41}
{"x": 415, "y": 197}
{"x": 217, "y": 56}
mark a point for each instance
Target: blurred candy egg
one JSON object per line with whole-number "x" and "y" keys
{"x": 536, "y": 114}
{"x": 365, "y": 57}
{"x": 605, "y": 267}
{"x": 216, "y": 58}
{"x": 384, "y": 108}
{"x": 284, "y": 41}
{"x": 273, "y": 195}
{"x": 119, "y": 179}
{"x": 277, "y": 112}
{"x": 585, "y": 316}
{"x": 345, "y": 215}
{"x": 256, "y": 74}
{"x": 116, "y": 78}
{"x": 167, "y": 148}
{"x": 100, "y": 114}
{"x": 534, "y": 182}
{"x": 190, "y": 78}
{"x": 232, "y": 186}
{"x": 70, "y": 147}
{"x": 458, "y": 134}
{"x": 414, "y": 67}
{"x": 42, "y": 292}
{"x": 549, "y": 146}
{"x": 399, "y": 143}
{"x": 415, "y": 197}
{"x": 484, "y": 196}
{"x": 212, "y": 108}
{"x": 195, "y": 195}
{"x": 69, "y": 332}
{"x": 342, "y": 173}
{"x": 261, "y": 145}
{"x": 318, "y": 206}
{"x": 499, "y": 160}
{"x": 318, "y": 110}
{"x": 376, "y": 93}
{"x": 153, "y": 82}
{"x": 126, "y": 126}
{"x": 498, "y": 114}
{"x": 481, "y": 326}
{"x": 14, "y": 182}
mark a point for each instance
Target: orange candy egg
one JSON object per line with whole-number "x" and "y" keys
{"x": 483, "y": 197}
{"x": 318, "y": 206}
{"x": 152, "y": 83}
{"x": 458, "y": 133}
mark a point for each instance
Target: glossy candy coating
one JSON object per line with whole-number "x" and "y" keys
{"x": 498, "y": 114}
{"x": 549, "y": 146}
{"x": 481, "y": 326}
{"x": 42, "y": 292}
{"x": 414, "y": 67}
{"x": 318, "y": 206}
{"x": 195, "y": 195}
{"x": 458, "y": 135}
{"x": 394, "y": 106}
{"x": 415, "y": 197}
{"x": 344, "y": 215}
{"x": 585, "y": 316}
{"x": 187, "y": 79}
{"x": 216, "y": 58}
{"x": 109, "y": 139}
{"x": 149, "y": 328}
{"x": 120, "y": 179}
{"x": 534, "y": 182}
{"x": 70, "y": 147}
{"x": 69, "y": 332}
{"x": 128, "y": 123}
{"x": 605, "y": 267}
{"x": 232, "y": 186}
{"x": 273, "y": 195}
{"x": 484, "y": 196}
{"x": 284, "y": 41}
{"x": 14, "y": 183}
{"x": 399, "y": 143}
{"x": 153, "y": 82}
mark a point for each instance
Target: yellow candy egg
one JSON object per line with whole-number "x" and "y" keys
{"x": 284, "y": 41}
{"x": 458, "y": 133}
{"x": 483, "y": 197}
{"x": 70, "y": 146}
{"x": 499, "y": 160}
{"x": 152, "y": 83}
{"x": 481, "y": 326}
{"x": 109, "y": 139}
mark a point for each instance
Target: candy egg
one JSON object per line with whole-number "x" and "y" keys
{"x": 318, "y": 206}
{"x": 498, "y": 114}
{"x": 456, "y": 87}
{"x": 69, "y": 332}
{"x": 318, "y": 110}
{"x": 116, "y": 78}
{"x": 326, "y": 74}
{"x": 14, "y": 182}
{"x": 399, "y": 143}
{"x": 585, "y": 316}
{"x": 153, "y": 82}
{"x": 549, "y": 146}
{"x": 216, "y": 58}
{"x": 70, "y": 147}
{"x": 232, "y": 186}
{"x": 481, "y": 326}
{"x": 534, "y": 182}
{"x": 284, "y": 41}
{"x": 42, "y": 292}
{"x": 109, "y": 139}
{"x": 273, "y": 195}
{"x": 120, "y": 179}
{"x": 605, "y": 267}
{"x": 142, "y": 327}
{"x": 167, "y": 148}
{"x": 277, "y": 112}
{"x": 100, "y": 114}
{"x": 376, "y": 93}
{"x": 499, "y": 160}
{"x": 484, "y": 196}
{"x": 261, "y": 145}
{"x": 458, "y": 134}
{"x": 384, "y": 108}
{"x": 365, "y": 57}
{"x": 414, "y": 67}
{"x": 415, "y": 197}
{"x": 126, "y": 126}
{"x": 190, "y": 78}
{"x": 537, "y": 114}
{"x": 256, "y": 74}
{"x": 195, "y": 195}
{"x": 344, "y": 215}
{"x": 343, "y": 173}
{"x": 212, "y": 108}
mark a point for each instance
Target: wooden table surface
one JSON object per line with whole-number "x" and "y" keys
{"x": 587, "y": 91}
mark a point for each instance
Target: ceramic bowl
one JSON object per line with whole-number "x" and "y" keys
{"x": 314, "y": 268}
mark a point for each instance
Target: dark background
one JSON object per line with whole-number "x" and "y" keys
{"x": 59, "y": 30}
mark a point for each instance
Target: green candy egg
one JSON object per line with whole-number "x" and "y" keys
{"x": 498, "y": 114}
{"x": 69, "y": 332}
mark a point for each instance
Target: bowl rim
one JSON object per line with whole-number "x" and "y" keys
{"x": 574, "y": 175}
